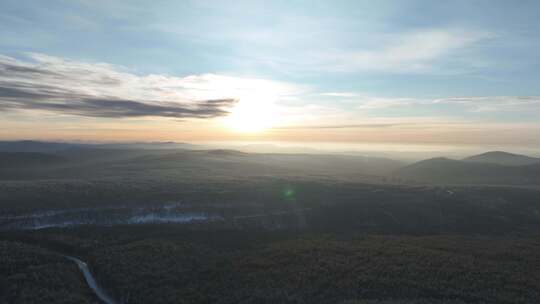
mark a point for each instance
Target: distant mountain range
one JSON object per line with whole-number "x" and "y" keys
{"x": 488, "y": 168}
{"x": 58, "y": 160}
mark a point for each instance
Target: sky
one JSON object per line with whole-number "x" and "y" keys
{"x": 405, "y": 72}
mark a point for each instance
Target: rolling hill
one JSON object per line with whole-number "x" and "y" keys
{"x": 87, "y": 161}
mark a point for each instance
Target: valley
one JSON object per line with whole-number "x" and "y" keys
{"x": 223, "y": 226}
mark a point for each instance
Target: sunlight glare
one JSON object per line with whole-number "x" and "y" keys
{"x": 252, "y": 114}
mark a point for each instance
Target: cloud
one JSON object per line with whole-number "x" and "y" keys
{"x": 345, "y": 126}
{"x": 341, "y": 94}
{"x": 411, "y": 52}
{"x": 471, "y": 104}
{"x": 373, "y": 103}
{"x": 103, "y": 90}
{"x": 495, "y": 103}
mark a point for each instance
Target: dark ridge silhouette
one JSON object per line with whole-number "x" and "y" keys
{"x": 445, "y": 170}
{"x": 503, "y": 158}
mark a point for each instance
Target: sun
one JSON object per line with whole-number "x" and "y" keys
{"x": 252, "y": 115}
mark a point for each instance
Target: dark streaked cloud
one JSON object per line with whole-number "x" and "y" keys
{"x": 99, "y": 90}
{"x": 112, "y": 108}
